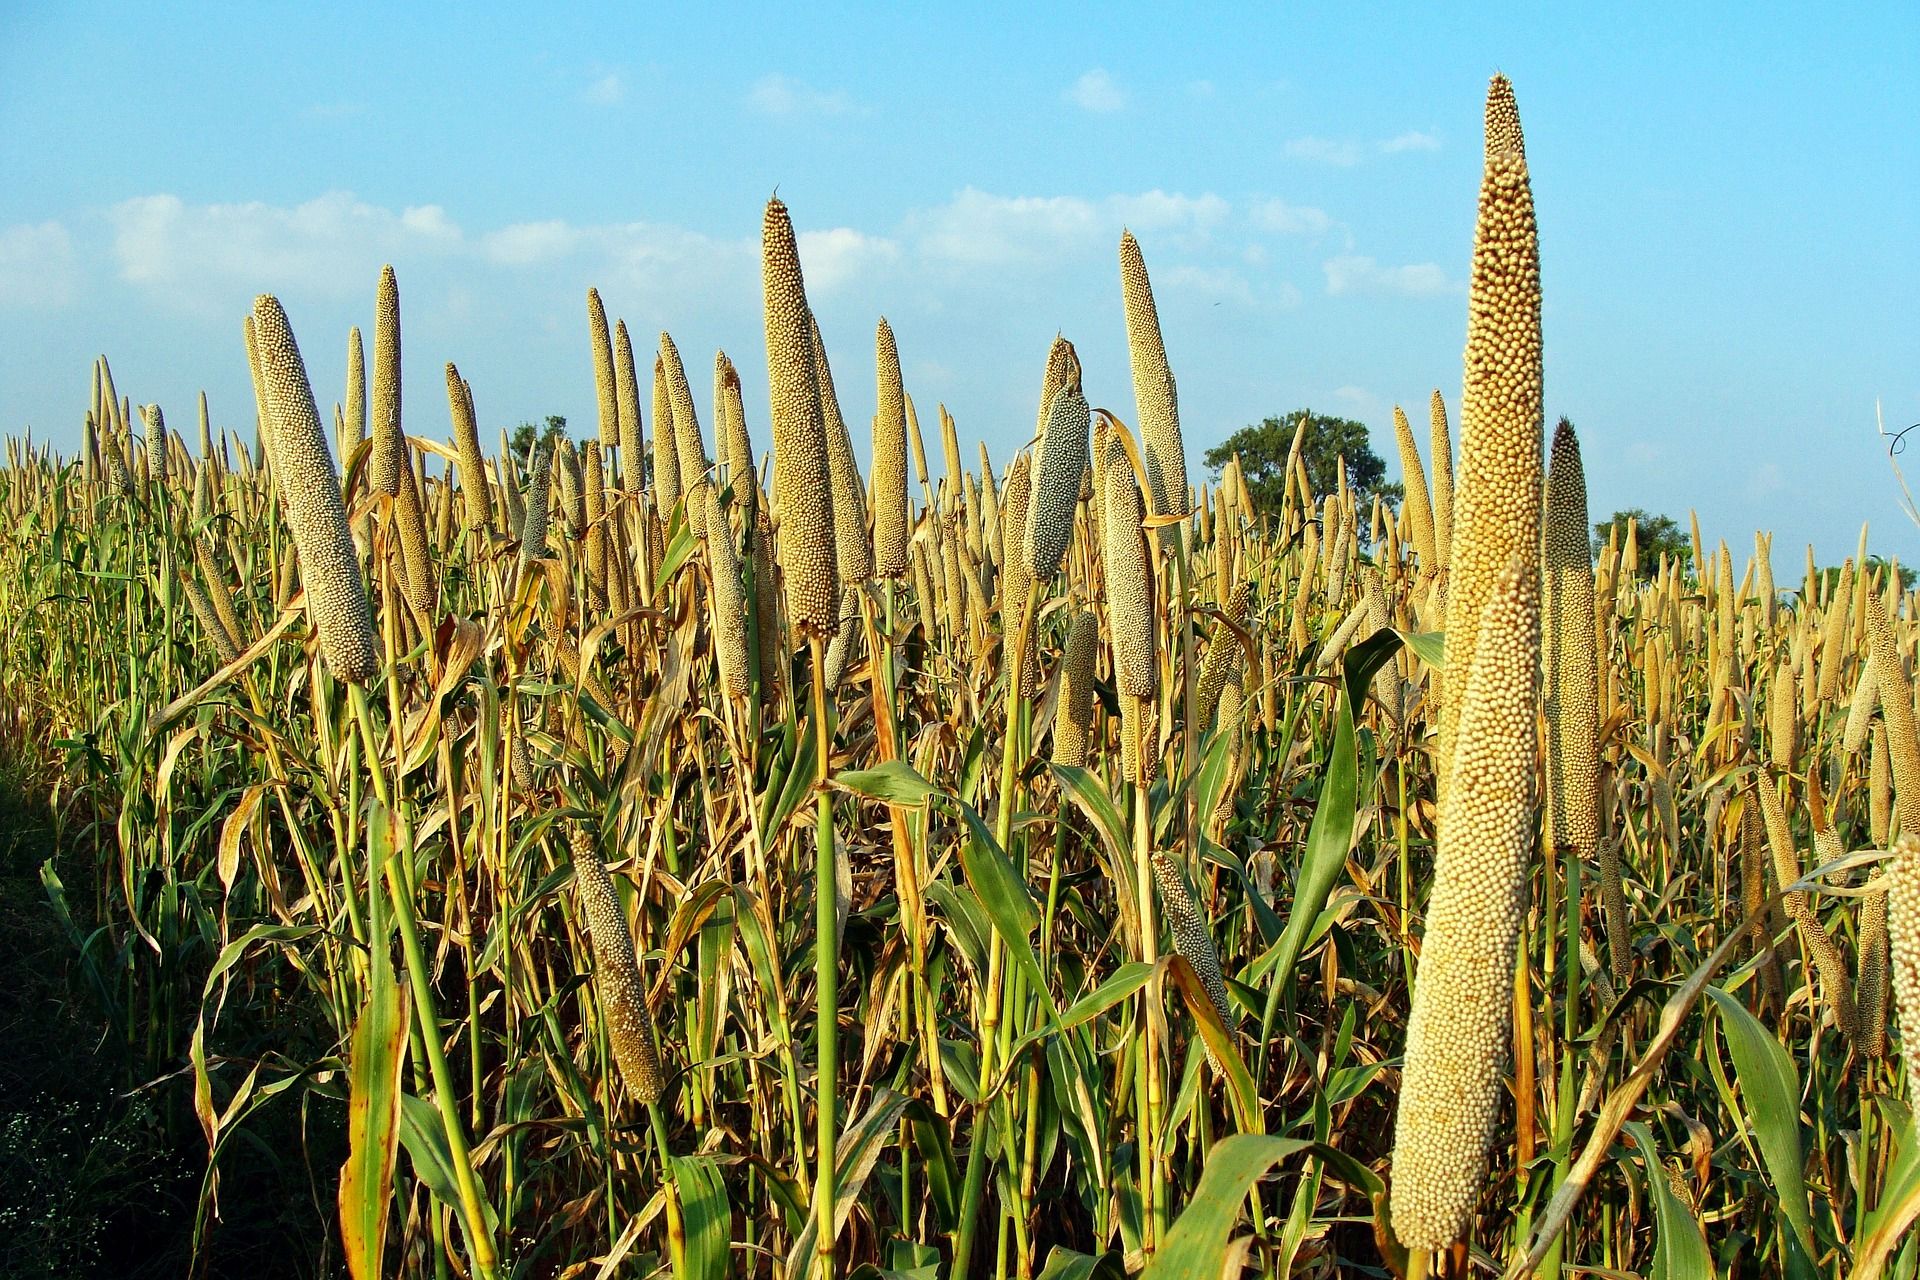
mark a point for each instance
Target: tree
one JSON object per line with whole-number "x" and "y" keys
{"x": 526, "y": 433}
{"x": 1655, "y": 535}
{"x": 1263, "y": 458}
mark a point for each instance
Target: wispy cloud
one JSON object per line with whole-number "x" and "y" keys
{"x": 1096, "y": 91}
{"x": 775, "y": 94}
{"x": 1351, "y": 273}
{"x": 606, "y": 90}
{"x": 1281, "y": 218}
{"x": 37, "y": 267}
{"x": 1331, "y": 151}
{"x": 1344, "y": 153}
{"x": 1412, "y": 140}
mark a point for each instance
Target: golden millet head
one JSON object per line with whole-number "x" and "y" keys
{"x": 1073, "y": 720}
{"x": 1155, "y": 397}
{"x": 616, "y": 971}
{"x": 802, "y": 483}
{"x": 1129, "y": 581}
{"x": 1056, "y": 490}
{"x": 603, "y": 377}
{"x": 389, "y": 446}
{"x": 890, "y": 514}
{"x": 310, "y": 490}
{"x": 1457, "y": 1032}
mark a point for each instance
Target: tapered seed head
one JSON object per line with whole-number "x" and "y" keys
{"x": 1062, "y": 461}
{"x": 1155, "y": 399}
{"x": 890, "y": 514}
{"x": 666, "y": 449}
{"x": 1457, "y": 1031}
{"x": 633, "y": 463}
{"x": 737, "y": 445}
{"x": 533, "y": 524}
{"x": 389, "y": 444}
{"x": 729, "y": 600}
{"x": 802, "y": 482}
{"x": 852, "y": 548}
{"x": 689, "y": 446}
{"x": 605, "y": 389}
{"x": 1073, "y": 722}
{"x": 1896, "y": 706}
{"x": 310, "y": 491}
{"x": 356, "y": 407}
{"x": 616, "y": 971}
{"x": 1498, "y": 499}
{"x": 1419, "y": 511}
{"x": 1571, "y": 655}
{"x": 1129, "y": 582}
{"x": 1903, "y": 937}
{"x": 1441, "y": 444}
{"x": 466, "y": 443}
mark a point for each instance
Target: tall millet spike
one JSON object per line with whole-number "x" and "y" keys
{"x": 1571, "y": 658}
{"x": 1440, "y": 441}
{"x": 853, "y": 550}
{"x": 1155, "y": 399}
{"x": 604, "y": 385}
{"x": 890, "y": 515}
{"x": 1016, "y": 578}
{"x": 626, "y": 398}
{"x": 1073, "y": 723}
{"x": 1496, "y": 517}
{"x": 1062, "y": 459}
{"x": 389, "y": 444}
{"x": 1896, "y": 708}
{"x": 1457, "y": 1030}
{"x": 466, "y": 443}
{"x": 1903, "y": 937}
{"x": 801, "y": 480}
{"x": 1414, "y": 479}
{"x": 616, "y": 970}
{"x": 736, "y": 446}
{"x": 666, "y": 449}
{"x": 310, "y": 490}
{"x": 356, "y": 408}
{"x": 533, "y": 525}
{"x": 690, "y": 448}
{"x": 1129, "y": 579}
{"x": 728, "y": 600}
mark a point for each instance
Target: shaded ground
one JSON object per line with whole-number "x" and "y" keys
{"x": 98, "y": 1178}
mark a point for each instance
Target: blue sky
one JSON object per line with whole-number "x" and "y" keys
{"x": 1730, "y": 214}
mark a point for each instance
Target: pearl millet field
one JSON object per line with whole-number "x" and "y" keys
{"x": 635, "y": 857}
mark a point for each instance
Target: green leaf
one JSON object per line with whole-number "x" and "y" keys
{"x": 373, "y": 1121}
{"x": 858, "y": 1149}
{"x": 1428, "y": 646}
{"x": 1066, "y": 1264}
{"x": 1219, "y": 1041}
{"x": 1198, "y": 1238}
{"x": 894, "y": 781}
{"x": 706, "y": 1214}
{"x": 1899, "y": 1205}
{"x": 1679, "y": 1249}
{"x": 676, "y": 555}
{"x": 1003, "y": 895}
{"x": 1770, "y": 1089}
{"x": 425, "y": 1138}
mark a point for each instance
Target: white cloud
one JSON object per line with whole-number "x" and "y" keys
{"x": 1277, "y": 216}
{"x": 606, "y": 90}
{"x": 838, "y": 256}
{"x": 1215, "y": 283}
{"x": 525, "y": 243}
{"x": 332, "y": 245}
{"x": 1160, "y": 210}
{"x": 1351, "y": 273}
{"x": 775, "y": 94}
{"x": 1765, "y": 480}
{"x": 1412, "y": 140}
{"x": 1324, "y": 151}
{"x": 978, "y": 228}
{"x": 1359, "y": 401}
{"x": 1096, "y": 91}
{"x": 36, "y": 265}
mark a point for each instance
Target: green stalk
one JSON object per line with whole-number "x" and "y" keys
{"x": 826, "y": 976}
